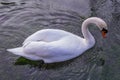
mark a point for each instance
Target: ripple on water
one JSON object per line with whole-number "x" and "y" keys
{"x": 17, "y": 22}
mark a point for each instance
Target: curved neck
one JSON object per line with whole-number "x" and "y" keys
{"x": 87, "y": 35}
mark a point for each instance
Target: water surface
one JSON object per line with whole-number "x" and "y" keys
{"x": 21, "y": 18}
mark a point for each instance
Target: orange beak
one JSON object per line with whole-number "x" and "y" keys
{"x": 103, "y": 34}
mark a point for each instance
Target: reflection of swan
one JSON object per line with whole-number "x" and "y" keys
{"x": 53, "y": 45}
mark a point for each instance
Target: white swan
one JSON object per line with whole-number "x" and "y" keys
{"x": 53, "y": 45}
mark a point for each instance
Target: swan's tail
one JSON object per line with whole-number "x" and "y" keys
{"x": 17, "y": 51}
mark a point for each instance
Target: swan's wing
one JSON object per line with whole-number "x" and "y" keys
{"x": 37, "y": 36}
{"x": 36, "y": 48}
{"x": 55, "y": 51}
{"x": 48, "y": 52}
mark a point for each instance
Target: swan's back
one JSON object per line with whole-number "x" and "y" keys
{"x": 48, "y": 35}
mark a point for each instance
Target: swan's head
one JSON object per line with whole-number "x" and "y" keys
{"x": 102, "y": 26}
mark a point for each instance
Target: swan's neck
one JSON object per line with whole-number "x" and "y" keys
{"x": 87, "y": 35}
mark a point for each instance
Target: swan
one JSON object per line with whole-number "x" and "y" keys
{"x": 54, "y": 45}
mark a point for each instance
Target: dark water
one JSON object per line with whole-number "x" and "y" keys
{"x": 21, "y": 18}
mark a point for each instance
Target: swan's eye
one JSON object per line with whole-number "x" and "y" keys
{"x": 104, "y": 30}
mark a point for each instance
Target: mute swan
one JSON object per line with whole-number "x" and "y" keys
{"x": 53, "y": 45}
